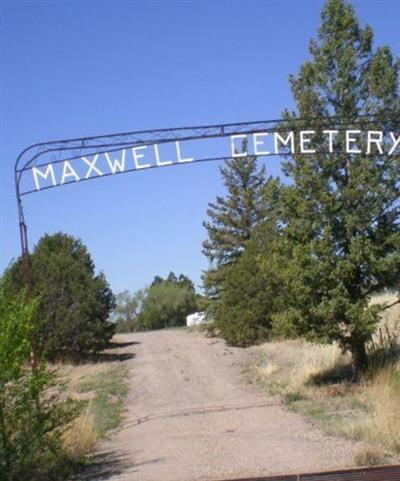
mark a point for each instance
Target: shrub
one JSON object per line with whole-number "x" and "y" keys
{"x": 74, "y": 303}
{"x": 31, "y": 418}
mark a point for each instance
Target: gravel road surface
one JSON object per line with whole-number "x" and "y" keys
{"x": 192, "y": 414}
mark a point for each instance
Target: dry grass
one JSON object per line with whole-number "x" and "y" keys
{"x": 370, "y": 456}
{"x": 382, "y": 397}
{"x": 292, "y": 365}
{"x": 103, "y": 387}
{"x": 81, "y": 436}
{"x": 72, "y": 375}
{"x": 314, "y": 380}
{"x": 388, "y": 331}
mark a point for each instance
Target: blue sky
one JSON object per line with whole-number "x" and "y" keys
{"x": 78, "y": 68}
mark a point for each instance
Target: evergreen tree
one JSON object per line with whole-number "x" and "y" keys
{"x": 251, "y": 288}
{"x": 341, "y": 213}
{"x": 74, "y": 302}
{"x": 232, "y": 218}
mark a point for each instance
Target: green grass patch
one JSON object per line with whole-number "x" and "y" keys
{"x": 109, "y": 390}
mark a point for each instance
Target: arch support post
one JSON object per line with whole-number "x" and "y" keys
{"x": 26, "y": 275}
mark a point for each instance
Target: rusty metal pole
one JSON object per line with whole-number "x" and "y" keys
{"x": 26, "y": 270}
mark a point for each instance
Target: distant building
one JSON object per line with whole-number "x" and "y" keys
{"x": 196, "y": 319}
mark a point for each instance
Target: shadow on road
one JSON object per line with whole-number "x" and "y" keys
{"x": 100, "y": 357}
{"x": 104, "y": 466}
{"x": 116, "y": 345}
{"x": 111, "y": 357}
{"x": 112, "y": 354}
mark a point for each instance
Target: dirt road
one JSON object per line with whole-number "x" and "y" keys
{"x": 193, "y": 415}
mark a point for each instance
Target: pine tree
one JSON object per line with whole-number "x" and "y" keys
{"x": 341, "y": 212}
{"x": 232, "y": 218}
{"x": 247, "y": 304}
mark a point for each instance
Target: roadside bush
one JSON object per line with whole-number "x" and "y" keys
{"x": 74, "y": 303}
{"x": 32, "y": 418}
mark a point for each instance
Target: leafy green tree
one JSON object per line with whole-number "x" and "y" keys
{"x": 185, "y": 281}
{"x": 125, "y": 313}
{"x": 341, "y": 211}
{"x": 232, "y": 218}
{"x": 167, "y": 302}
{"x": 181, "y": 280}
{"x": 157, "y": 280}
{"x": 74, "y": 302}
{"x": 31, "y": 420}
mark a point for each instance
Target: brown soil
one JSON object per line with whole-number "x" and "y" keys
{"x": 193, "y": 414}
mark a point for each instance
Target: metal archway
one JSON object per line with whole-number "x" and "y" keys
{"x": 46, "y": 154}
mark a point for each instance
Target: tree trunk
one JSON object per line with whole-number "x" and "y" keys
{"x": 359, "y": 360}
